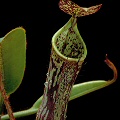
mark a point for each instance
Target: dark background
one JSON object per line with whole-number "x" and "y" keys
{"x": 100, "y": 32}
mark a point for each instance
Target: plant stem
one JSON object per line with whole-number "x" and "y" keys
{"x": 1, "y": 105}
{"x": 6, "y": 100}
{"x": 2, "y": 89}
{"x": 20, "y": 114}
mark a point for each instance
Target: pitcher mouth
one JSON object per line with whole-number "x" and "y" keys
{"x": 68, "y": 43}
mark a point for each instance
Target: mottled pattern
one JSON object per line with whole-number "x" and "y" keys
{"x": 62, "y": 73}
{"x": 60, "y": 79}
{"x": 69, "y": 44}
{"x": 73, "y": 9}
{"x": 67, "y": 55}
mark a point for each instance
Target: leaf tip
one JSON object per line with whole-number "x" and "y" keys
{"x": 112, "y": 66}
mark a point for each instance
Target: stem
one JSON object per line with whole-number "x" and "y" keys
{"x": 22, "y": 113}
{"x": 6, "y": 100}
{"x": 77, "y": 91}
{"x": 1, "y": 105}
{"x": 2, "y": 89}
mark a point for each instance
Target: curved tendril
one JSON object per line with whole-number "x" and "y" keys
{"x": 112, "y": 66}
{"x": 72, "y": 8}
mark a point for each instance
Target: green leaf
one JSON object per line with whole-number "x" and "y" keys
{"x": 13, "y": 58}
{"x": 88, "y": 87}
{"x": 78, "y": 90}
{"x": 36, "y": 105}
{"x": 81, "y": 89}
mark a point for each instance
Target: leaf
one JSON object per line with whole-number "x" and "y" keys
{"x": 13, "y": 58}
{"x": 87, "y": 87}
{"x": 78, "y": 90}
{"x": 81, "y": 89}
{"x": 90, "y": 86}
{"x": 36, "y": 105}
{"x": 84, "y": 88}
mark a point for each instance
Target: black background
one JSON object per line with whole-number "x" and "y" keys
{"x": 100, "y": 32}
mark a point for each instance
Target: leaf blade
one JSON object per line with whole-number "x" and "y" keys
{"x": 88, "y": 87}
{"x": 14, "y": 58}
